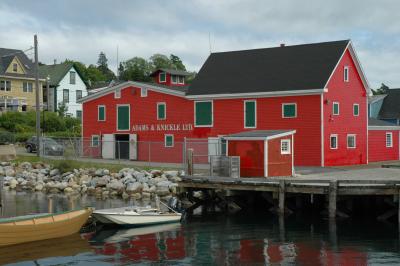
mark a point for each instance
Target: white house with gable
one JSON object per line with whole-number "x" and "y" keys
{"x": 66, "y": 86}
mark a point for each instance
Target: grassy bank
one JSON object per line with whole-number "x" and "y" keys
{"x": 69, "y": 165}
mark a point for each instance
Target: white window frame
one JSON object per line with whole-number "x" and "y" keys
{"x": 165, "y": 77}
{"x": 255, "y": 113}
{"x": 98, "y": 141}
{"x": 172, "y": 79}
{"x": 337, "y": 141}
{"x": 15, "y": 67}
{"x": 355, "y": 141}
{"x": 165, "y": 111}
{"x": 346, "y": 72}
{"x": 283, "y": 110}
{"x": 117, "y": 94}
{"x": 358, "y": 108}
{"x": 143, "y": 92}
{"x": 129, "y": 118}
{"x": 391, "y": 139}
{"x": 179, "y": 80}
{"x": 288, "y": 145}
{"x": 98, "y": 113}
{"x": 212, "y": 113}
{"x": 333, "y": 108}
{"x": 165, "y": 140}
{"x": 72, "y": 74}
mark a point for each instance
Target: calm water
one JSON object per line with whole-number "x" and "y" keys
{"x": 217, "y": 239}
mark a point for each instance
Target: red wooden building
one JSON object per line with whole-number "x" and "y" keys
{"x": 319, "y": 90}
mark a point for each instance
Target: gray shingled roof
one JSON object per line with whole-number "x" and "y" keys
{"x": 379, "y": 123}
{"x": 56, "y": 72}
{"x": 258, "y": 133}
{"x": 171, "y": 71}
{"x": 374, "y": 98}
{"x": 288, "y": 68}
{"x": 391, "y": 105}
{"x": 7, "y": 55}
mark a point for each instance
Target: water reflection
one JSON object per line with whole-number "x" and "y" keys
{"x": 242, "y": 239}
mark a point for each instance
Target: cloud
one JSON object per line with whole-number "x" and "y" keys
{"x": 79, "y": 30}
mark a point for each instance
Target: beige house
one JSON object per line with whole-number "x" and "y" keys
{"x": 17, "y": 81}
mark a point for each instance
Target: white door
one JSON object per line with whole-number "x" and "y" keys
{"x": 132, "y": 147}
{"x": 213, "y": 147}
{"x": 108, "y": 146}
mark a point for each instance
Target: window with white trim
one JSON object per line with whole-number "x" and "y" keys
{"x": 95, "y": 140}
{"x": 289, "y": 110}
{"x": 15, "y": 67}
{"x": 335, "y": 108}
{"x": 174, "y": 79}
{"x": 346, "y": 74}
{"x": 389, "y": 139}
{"x": 169, "y": 140}
{"x": 72, "y": 77}
{"x": 27, "y": 87}
{"x": 285, "y": 146}
{"x": 162, "y": 77}
{"x": 181, "y": 79}
{"x": 356, "y": 109}
{"x": 203, "y": 112}
{"x": 101, "y": 113}
{"x": 250, "y": 114}
{"x": 143, "y": 92}
{"x": 351, "y": 141}
{"x": 161, "y": 111}
{"x": 117, "y": 94}
{"x": 334, "y": 141}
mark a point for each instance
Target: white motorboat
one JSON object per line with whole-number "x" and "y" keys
{"x": 136, "y": 216}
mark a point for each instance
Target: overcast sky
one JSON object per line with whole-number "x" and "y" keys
{"x": 80, "y": 29}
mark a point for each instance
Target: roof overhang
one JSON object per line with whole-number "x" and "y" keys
{"x": 257, "y": 94}
{"x": 283, "y": 134}
{"x": 383, "y": 127}
{"x": 15, "y": 77}
{"x": 130, "y": 84}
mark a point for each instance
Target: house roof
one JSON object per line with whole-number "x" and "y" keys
{"x": 260, "y": 134}
{"x": 171, "y": 71}
{"x": 6, "y": 57}
{"x": 377, "y": 124}
{"x": 56, "y": 72}
{"x": 375, "y": 98}
{"x": 177, "y": 88}
{"x": 391, "y": 105}
{"x": 287, "y": 68}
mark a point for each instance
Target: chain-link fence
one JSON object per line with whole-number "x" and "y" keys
{"x": 159, "y": 152}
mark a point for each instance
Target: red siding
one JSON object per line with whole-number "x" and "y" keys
{"x": 279, "y": 164}
{"x": 251, "y": 156}
{"x": 377, "y": 149}
{"x": 347, "y": 94}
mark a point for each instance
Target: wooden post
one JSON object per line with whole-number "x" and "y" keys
{"x": 189, "y": 161}
{"x": 333, "y": 185}
{"x": 1, "y": 197}
{"x": 50, "y": 205}
{"x": 281, "y": 197}
{"x": 398, "y": 202}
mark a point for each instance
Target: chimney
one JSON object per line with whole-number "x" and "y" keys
{"x": 282, "y": 45}
{"x": 55, "y": 61}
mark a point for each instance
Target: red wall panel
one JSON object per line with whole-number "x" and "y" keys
{"x": 377, "y": 149}
{"x": 279, "y": 164}
{"x": 347, "y": 94}
{"x": 251, "y": 156}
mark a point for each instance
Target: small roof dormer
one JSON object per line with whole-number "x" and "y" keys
{"x": 170, "y": 77}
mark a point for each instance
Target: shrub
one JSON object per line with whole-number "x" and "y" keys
{"x": 64, "y": 165}
{"x": 6, "y": 137}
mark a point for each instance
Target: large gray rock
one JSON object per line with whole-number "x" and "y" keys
{"x": 13, "y": 183}
{"x": 116, "y": 185}
{"x": 68, "y": 190}
{"x": 101, "y": 181}
{"x": 39, "y": 187}
{"x": 54, "y": 172}
{"x": 9, "y": 171}
{"x": 26, "y": 165}
{"x": 170, "y": 174}
{"x": 134, "y": 187}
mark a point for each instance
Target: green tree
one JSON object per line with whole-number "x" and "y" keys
{"x": 136, "y": 69}
{"x": 160, "y": 61}
{"x": 94, "y": 74}
{"x": 62, "y": 109}
{"x": 102, "y": 62}
{"x": 382, "y": 90}
{"x": 177, "y": 62}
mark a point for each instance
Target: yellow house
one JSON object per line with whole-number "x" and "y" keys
{"x": 17, "y": 81}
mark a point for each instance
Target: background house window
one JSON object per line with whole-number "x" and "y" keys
{"x": 101, "y": 113}
{"x": 389, "y": 140}
{"x": 250, "y": 114}
{"x": 351, "y": 141}
{"x": 335, "y": 108}
{"x": 174, "y": 79}
{"x": 78, "y": 94}
{"x": 143, "y": 92}
{"x": 8, "y": 85}
{"x": 289, "y": 110}
{"x": 169, "y": 140}
{"x": 95, "y": 140}
{"x": 285, "y": 146}
{"x": 117, "y": 94}
{"x": 65, "y": 96}
{"x": 27, "y": 87}
{"x": 161, "y": 111}
{"x": 72, "y": 77}
{"x": 163, "y": 77}
{"x": 334, "y": 141}
{"x": 203, "y": 114}
{"x": 123, "y": 117}
{"x": 346, "y": 74}
{"x": 181, "y": 79}
{"x": 15, "y": 67}
{"x": 5, "y": 85}
{"x": 356, "y": 109}
{"x": 79, "y": 114}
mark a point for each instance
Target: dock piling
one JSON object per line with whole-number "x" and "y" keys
{"x": 281, "y": 197}
{"x": 333, "y": 186}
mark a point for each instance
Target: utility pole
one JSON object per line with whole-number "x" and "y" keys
{"x": 38, "y": 150}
